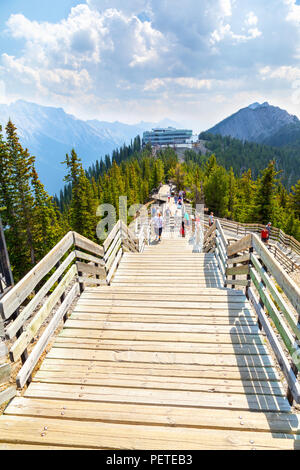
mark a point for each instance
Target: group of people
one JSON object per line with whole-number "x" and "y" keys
{"x": 180, "y": 212}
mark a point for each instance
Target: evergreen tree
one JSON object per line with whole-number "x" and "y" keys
{"x": 21, "y": 228}
{"x": 84, "y": 204}
{"x": 49, "y": 227}
{"x": 265, "y": 195}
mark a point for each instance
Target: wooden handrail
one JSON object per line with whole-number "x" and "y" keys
{"x": 249, "y": 256}
{"x": 276, "y": 234}
{"x": 76, "y": 262}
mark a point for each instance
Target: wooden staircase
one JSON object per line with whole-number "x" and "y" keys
{"x": 163, "y": 358}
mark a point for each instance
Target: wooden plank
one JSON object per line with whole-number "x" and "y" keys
{"x": 210, "y": 231}
{"x": 129, "y": 232}
{"x": 161, "y": 296}
{"x": 228, "y": 294}
{"x": 6, "y": 395}
{"x": 112, "y": 235}
{"x": 223, "y": 253}
{"x": 238, "y": 282}
{"x": 161, "y": 357}
{"x": 148, "y": 318}
{"x": 276, "y": 317}
{"x": 84, "y": 342}
{"x": 88, "y": 245}
{"x": 92, "y": 281}
{"x": 16, "y": 296}
{"x": 156, "y": 415}
{"x": 222, "y": 235}
{"x": 275, "y": 294}
{"x": 90, "y": 269}
{"x": 114, "y": 266}
{"x": 118, "y": 238}
{"x": 283, "y": 279}
{"x": 240, "y": 246}
{"x": 87, "y": 257}
{"x": 115, "y": 436}
{"x": 221, "y": 263}
{"x": 5, "y": 370}
{"x": 217, "y": 338}
{"x": 27, "y": 311}
{"x": 245, "y": 373}
{"x": 239, "y": 259}
{"x": 39, "y": 447}
{"x": 239, "y": 270}
{"x": 22, "y": 342}
{"x": 160, "y": 383}
{"x": 40, "y": 346}
{"x": 199, "y": 307}
{"x": 279, "y": 353}
{"x": 128, "y": 243}
{"x": 157, "y": 397}
{"x": 219, "y": 313}
{"x": 113, "y": 255}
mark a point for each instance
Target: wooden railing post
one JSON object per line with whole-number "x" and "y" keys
{"x": 62, "y": 298}
{"x": 251, "y": 250}
{"x": 289, "y": 395}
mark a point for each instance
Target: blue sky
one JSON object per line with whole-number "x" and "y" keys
{"x": 194, "y": 62}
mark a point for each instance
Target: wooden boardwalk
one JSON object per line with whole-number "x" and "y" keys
{"x": 164, "y": 358}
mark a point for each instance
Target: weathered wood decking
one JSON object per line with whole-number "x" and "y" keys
{"x": 164, "y": 358}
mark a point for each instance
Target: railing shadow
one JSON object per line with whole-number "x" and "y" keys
{"x": 212, "y": 275}
{"x": 258, "y": 376}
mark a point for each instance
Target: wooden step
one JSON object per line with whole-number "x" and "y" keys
{"x": 87, "y": 364}
{"x": 176, "y": 319}
{"x": 97, "y": 435}
{"x": 160, "y": 383}
{"x": 157, "y": 397}
{"x": 81, "y": 339}
{"x": 161, "y": 357}
{"x": 156, "y": 415}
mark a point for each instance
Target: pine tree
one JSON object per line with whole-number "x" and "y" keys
{"x": 295, "y": 199}
{"x": 216, "y": 191}
{"x": 48, "y": 224}
{"x": 83, "y": 206}
{"x": 20, "y": 232}
{"x": 265, "y": 196}
{"x": 232, "y": 195}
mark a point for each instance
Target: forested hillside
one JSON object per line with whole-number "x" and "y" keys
{"x": 34, "y": 221}
{"x": 242, "y": 155}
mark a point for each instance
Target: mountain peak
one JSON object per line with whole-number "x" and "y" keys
{"x": 258, "y": 105}
{"x": 256, "y": 123}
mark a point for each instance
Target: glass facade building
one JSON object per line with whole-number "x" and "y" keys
{"x": 169, "y": 136}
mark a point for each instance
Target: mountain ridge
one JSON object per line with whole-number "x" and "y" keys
{"x": 49, "y": 133}
{"x": 256, "y": 123}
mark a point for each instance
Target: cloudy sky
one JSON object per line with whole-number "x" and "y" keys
{"x": 193, "y": 61}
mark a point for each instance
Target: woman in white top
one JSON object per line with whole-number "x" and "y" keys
{"x": 158, "y": 225}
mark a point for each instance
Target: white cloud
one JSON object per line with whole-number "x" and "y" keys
{"x": 251, "y": 19}
{"x": 108, "y": 55}
{"x": 287, "y": 73}
{"x": 184, "y": 82}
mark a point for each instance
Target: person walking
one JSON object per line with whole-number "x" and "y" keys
{"x": 182, "y": 231}
{"x": 265, "y": 234}
{"x": 211, "y": 219}
{"x": 187, "y": 218}
{"x": 158, "y": 226}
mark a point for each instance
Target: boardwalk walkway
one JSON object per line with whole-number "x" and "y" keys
{"x": 164, "y": 358}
